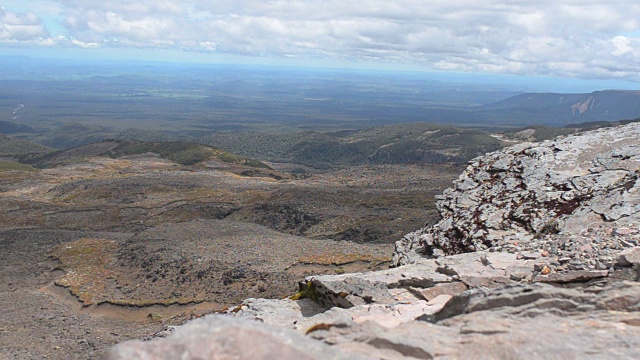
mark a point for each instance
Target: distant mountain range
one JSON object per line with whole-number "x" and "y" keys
{"x": 563, "y": 109}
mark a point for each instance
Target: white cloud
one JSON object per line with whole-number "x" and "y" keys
{"x": 583, "y": 38}
{"x": 21, "y": 27}
{"x": 622, "y": 45}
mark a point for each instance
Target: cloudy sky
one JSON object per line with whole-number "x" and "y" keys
{"x": 559, "y": 38}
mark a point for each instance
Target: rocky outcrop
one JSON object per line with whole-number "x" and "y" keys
{"x": 575, "y": 198}
{"x": 536, "y": 256}
{"x": 518, "y": 321}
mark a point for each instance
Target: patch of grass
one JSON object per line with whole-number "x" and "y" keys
{"x": 16, "y": 166}
{"x": 85, "y": 262}
{"x": 184, "y": 153}
{"x": 88, "y": 265}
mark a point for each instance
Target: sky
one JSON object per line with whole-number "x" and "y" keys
{"x": 563, "y": 39}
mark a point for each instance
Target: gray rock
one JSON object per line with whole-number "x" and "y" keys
{"x": 283, "y": 313}
{"x": 453, "y": 288}
{"x": 629, "y": 257}
{"x": 571, "y": 276}
{"x": 410, "y": 340}
{"x": 526, "y": 321}
{"x": 622, "y": 296}
{"x": 373, "y": 287}
{"x": 537, "y": 298}
{"x": 222, "y": 337}
{"x": 529, "y": 198}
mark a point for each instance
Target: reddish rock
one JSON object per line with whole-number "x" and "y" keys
{"x": 453, "y": 288}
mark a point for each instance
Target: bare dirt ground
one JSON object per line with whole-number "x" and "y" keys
{"x": 105, "y": 250}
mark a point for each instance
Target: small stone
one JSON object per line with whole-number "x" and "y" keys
{"x": 528, "y": 255}
{"x": 626, "y": 231}
{"x": 453, "y": 288}
{"x": 545, "y": 270}
{"x": 564, "y": 260}
{"x": 629, "y": 257}
{"x": 572, "y": 276}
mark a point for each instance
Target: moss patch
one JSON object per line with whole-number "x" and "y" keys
{"x": 85, "y": 262}
{"x": 305, "y": 291}
{"x": 91, "y": 272}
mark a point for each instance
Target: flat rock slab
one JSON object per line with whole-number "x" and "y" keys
{"x": 571, "y": 276}
{"x": 222, "y": 337}
{"x": 431, "y": 293}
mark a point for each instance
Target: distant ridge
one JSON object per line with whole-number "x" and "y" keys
{"x": 10, "y": 128}
{"x": 184, "y": 153}
{"x": 562, "y": 109}
{"x": 393, "y": 144}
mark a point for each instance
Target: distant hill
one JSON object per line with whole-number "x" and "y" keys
{"x": 394, "y": 144}
{"x": 563, "y": 109}
{"x": 9, "y": 128}
{"x": 541, "y": 133}
{"x": 6, "y": 165}
{"x": 71, "y": 135}
{"x": 184, "y": 153}
{"x": 599, "y": 124}
{"x": 15, "y": 148}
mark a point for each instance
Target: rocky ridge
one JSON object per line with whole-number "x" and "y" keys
{"x": 536, "y": 255}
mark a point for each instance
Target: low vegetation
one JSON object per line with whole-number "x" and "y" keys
{"x": 394, "y": 144}
{"x": 16, "y": 166}
{"x": 184, "y": 153}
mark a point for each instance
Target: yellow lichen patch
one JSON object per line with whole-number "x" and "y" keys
{"x": 340, "y": 259}
{"x": 85, "y": 263}
{"x": 305, "y": 291}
